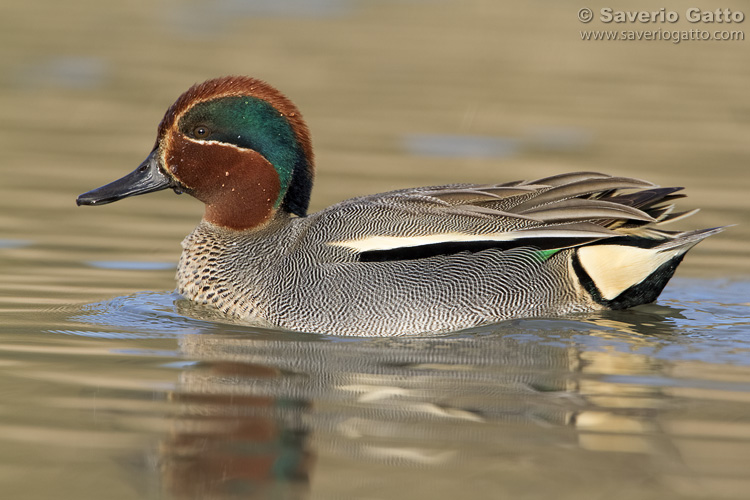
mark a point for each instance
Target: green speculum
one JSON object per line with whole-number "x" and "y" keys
{"x": 544, "y": 255}
{"x": 252, "y": 123}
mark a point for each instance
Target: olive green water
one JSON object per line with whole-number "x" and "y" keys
{"x": 112, "y": 387}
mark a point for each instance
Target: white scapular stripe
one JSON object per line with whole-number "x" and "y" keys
{"x": 392, "y": 242}
{"x": 615, "y": 268}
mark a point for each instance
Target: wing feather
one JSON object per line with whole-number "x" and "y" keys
{"x": 584, "y": 209}
{"x": 581, "y": 188}
{"x": 554, "y": 212}
{"x": 567, "y": 178}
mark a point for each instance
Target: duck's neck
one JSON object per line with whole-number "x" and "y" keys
{"x": 240, "y": 254}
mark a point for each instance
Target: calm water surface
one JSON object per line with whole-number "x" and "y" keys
{"x": 113, "y": 387}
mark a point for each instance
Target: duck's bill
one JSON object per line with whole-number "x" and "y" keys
{"x": 147, "y": 178}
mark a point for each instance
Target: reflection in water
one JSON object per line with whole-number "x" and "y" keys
{"x": 254, "y": 413}
{"x": 228, "y": 441}
{"x": 588, "y": 405}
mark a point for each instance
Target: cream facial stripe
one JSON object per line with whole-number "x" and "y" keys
{"x": 176, "y": 120}
{"x": 218, "y": 143}
{"x": 392, "y": 242}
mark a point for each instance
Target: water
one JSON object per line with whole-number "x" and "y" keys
{"x": 144, "y": 396}
{"x": 113, "y": 387}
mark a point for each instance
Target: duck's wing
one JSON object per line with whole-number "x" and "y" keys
{"x": 550, "y": 213}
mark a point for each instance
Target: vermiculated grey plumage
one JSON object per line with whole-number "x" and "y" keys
{"x": 306, "y": 274}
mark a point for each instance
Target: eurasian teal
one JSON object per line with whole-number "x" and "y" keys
{"x": 427, "y": 259}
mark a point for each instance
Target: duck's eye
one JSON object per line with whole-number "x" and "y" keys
{"x": 201, "y": 132}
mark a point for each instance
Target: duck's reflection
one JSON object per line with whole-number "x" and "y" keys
{"x": 230, "y": 441}
{"x": 266, "y": 417}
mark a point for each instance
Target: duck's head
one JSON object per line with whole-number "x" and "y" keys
{"x": 236, "y": 144}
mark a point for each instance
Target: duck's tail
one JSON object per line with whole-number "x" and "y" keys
{"x": 628, "y": 271}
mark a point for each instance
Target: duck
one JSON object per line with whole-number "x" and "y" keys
{"x": 421, "y": 260}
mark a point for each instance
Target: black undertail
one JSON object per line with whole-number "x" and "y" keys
{"x": 645, "y": 292}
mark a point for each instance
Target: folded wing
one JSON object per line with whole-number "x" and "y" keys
{"x": 551, "y": 213}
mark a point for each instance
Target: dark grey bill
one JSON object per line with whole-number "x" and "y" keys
{"x": 147, "y": 178}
